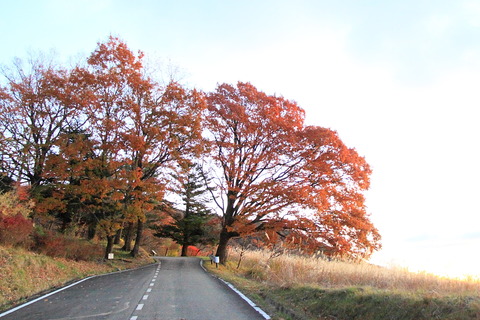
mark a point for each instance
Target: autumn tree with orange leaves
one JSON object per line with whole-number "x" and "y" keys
{"x": 39, "y": 100}
{"x": 99, "y": 138}
{"x": 141, "y": 130}
{"x": 95, "y": 144}
{"x": 280, "y": 177}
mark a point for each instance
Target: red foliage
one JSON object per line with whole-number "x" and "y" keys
{"x": 279, "y": 174}
{"x": 57, "y": 245}
{"x": 15, "y": 230}
{"x": 193, "y": 251}
{"x": 23, "y": 192}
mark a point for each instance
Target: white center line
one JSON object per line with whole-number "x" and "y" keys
{"x": 145, "y": 297}
{"x": 151, "y": 284}
{"x": 134, "y": 318}
{"x": 139, "y": 307}
{"x": 149, "y": 290}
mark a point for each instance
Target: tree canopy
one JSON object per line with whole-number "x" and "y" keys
{"x": 279, "y": 175}
{"x": 97, "y": 143}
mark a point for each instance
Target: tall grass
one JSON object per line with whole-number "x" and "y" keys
{"x": 291, "y": 270}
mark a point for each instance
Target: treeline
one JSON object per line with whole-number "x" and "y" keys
{"x": 100, "y": 144}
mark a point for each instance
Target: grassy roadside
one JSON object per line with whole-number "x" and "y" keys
{"x": 253, "y": 289}
{"x": 24, "y": 273}
{"x": 302, "y": 288}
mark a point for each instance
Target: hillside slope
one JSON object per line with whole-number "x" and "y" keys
{"x": 24, "y": 273}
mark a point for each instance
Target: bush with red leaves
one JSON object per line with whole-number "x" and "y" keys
{"x": 57, "y": 245}
{"x": 15, "y": 230}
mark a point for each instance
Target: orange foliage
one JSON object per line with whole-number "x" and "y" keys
{"x": 38, "y": 102}
{"x": 280, "y": 175}
{"x": 98, "y": 141}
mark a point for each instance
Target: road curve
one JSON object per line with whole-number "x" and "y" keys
{"x": 173, "y": 289}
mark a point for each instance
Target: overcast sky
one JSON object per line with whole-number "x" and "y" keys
{"x": 398, "y": 80}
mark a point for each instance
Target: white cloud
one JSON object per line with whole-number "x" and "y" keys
{"x": 78, "y": 7}
{"x": 472, "y": 12}
{"x": 438, "y": 25}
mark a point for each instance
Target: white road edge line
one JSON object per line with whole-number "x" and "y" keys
{"x": 42, "y": 297}
{"x": 250, "y": 302}
{"x": 61, "y": 289}
{"x": 201, "y": 265}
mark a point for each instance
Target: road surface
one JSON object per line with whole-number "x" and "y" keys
{"x": 173, "y": 289}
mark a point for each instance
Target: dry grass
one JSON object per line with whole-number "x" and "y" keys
{"x": 291, "y": 270}
{"x": 293, "y": 287}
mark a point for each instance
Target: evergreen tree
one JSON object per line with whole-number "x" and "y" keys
{"x": 189, "y": 227}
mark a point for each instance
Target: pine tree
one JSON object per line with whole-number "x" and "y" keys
{"x": 189, "y": 228}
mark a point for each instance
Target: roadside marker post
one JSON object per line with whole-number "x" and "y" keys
{"x": 214, "y": 259}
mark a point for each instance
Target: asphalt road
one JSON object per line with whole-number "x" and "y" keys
{"x": 173, "y": 289}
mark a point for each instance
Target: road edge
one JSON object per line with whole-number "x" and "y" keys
{"x": 64, "y": 288}
{"x": 239, "y": 293}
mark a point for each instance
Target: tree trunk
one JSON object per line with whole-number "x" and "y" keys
{"x": 223, "y": 245}
{"x": 64, "y": 227}
{"x": 118, "y": 236}
{"x": 109, "y": 247}
{"x": 138, "y": 239}
{"x": 92, "y": 230}
{"x": 184, "y": 250}
{"x": 128, "y": 237}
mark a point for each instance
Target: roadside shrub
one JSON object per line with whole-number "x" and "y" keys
{"x": 49, "y": 244}
{"x": 193, "y": 251}
{"x": 14, "y": 203}
{"x": 79, "y": 249}
{"x": 57, "y": 245}
{"x": 15, "y": 226}
{"x": 15, "y": 230}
